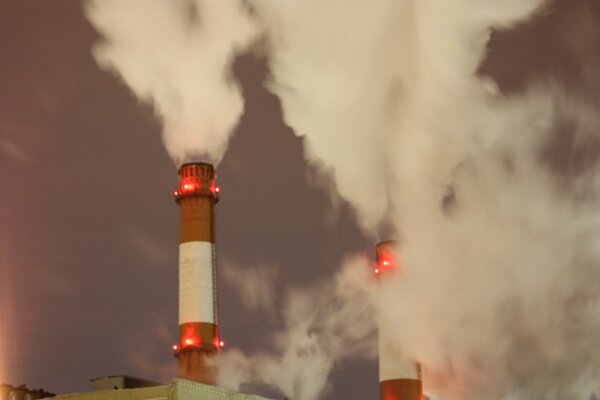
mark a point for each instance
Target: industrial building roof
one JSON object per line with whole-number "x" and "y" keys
{"x": 179, "y": 389}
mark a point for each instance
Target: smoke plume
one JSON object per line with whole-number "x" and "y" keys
{"x": 323, "y": 325}
{"x": 255, "y": 286}
{"x": 499, "y": 249}
{"x": 495, "y": 197}
{"x": 176, "y": 55}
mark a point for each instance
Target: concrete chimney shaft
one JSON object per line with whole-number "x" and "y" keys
{"x": 399, "y": 378}
{"x": 198, "y": 333}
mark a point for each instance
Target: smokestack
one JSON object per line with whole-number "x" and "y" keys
{"x": 399, "y": 378}
{"x": 198, "y": 327}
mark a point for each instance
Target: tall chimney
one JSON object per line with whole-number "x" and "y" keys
{"x": 399, "y": 378}
{"x": 198, "y": 333}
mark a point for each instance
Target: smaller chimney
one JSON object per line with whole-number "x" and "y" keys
{"x": 399, "y": 378}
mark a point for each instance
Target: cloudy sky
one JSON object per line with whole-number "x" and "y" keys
{"x": 88, "y": 227}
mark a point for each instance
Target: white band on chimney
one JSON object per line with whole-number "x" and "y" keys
{"x": 392, "y": 363}
{"x": 196, "y": 295}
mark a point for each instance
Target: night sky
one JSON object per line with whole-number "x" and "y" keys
{"x": 89, "y": 229}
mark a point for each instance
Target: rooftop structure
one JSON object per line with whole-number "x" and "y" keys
{"x": 179, "y": 389}
{"x": 121, "y": 382}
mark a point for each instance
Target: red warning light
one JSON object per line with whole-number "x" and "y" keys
{"x": 189, "y": 185}
{"x": 218, "y": 342}
{"x": 214, "y": 189}
{"x": 386, "y": 264}
{"x": 190, "y": 342}
{"x": 386, "y": 258}
{"x": 190, "y": 338}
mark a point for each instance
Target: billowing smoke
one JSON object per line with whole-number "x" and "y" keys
{"x": 499, "y": 297}
{"x": 352, "y": 93}
{"x": 176, "y": 55}
{"x": 505, "y": 261}
{"x": 494, "y": 197}
{"x": 323, "y": 325}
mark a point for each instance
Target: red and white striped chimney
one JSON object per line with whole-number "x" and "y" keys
{"x": 399, "y": 378}
{"x": 198, "y": 333}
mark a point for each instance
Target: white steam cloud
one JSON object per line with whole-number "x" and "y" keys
{"x": 500, "y": 292}
{"x": 496, "y": 198}
{"x": 323, "y": 325}
{"x": 255, "y": 286}
{"x": 176, "y": 55}
{"x": 507, "y": 264}
{"x": 352, "y": 92}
